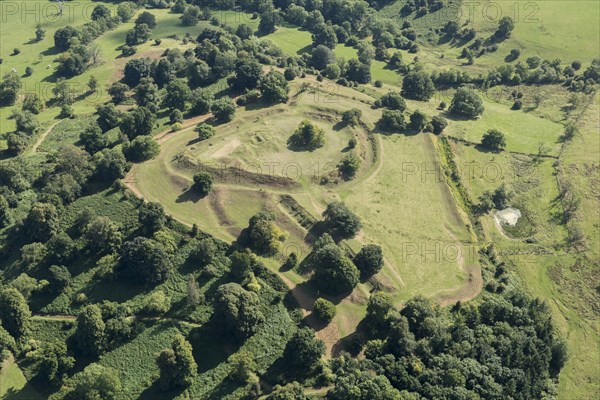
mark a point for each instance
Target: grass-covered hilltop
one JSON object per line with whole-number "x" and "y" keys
{"x": 301, "y": 199}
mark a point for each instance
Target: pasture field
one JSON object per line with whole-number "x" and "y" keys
{"x": 550, "y": 29}
{"x": 291, "y": 40}
{"x": 538, "y": 246}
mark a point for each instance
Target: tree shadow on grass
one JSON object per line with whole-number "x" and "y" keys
{"x": 481, "y": 148}
{"x": 455, "y": 117}
{"x": 211, "y": 345}
{"x": 190, "y": 195}
{"x": 510, "y": 58}
{"x": 52, "y": 78}
{"x": 118, "y": 291}
{"x": 194, "y": 141}
{"x": 339, "y": 126}
{"x": 305, "y": 49}
{"x": 154, "y": 392}
{"x": 257, "y": 105}
{"x": 223, "y": 390}
{"x": 315, "y": 232}
{"x": 51, "y": 51}
{"x": 352, "y": 343}
{"x": 27, "y": 392}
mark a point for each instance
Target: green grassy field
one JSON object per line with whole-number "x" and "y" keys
{"x": 12, "y": 380}
{"x": 538, "y": 246}
{"x": 294, "y": 41}
{"x": 290, "y": 40}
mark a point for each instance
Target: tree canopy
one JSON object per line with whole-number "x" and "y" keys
{"x": 238, "y": 310}
{"x": 341, "y": 220}
{"x": 308, "y": 136}
{"x": 466, "y": 103}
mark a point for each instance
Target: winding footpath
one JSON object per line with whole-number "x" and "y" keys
{"x": 42, "y": 137}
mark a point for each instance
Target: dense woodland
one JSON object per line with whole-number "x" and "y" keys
{"x": 69, "y": 214}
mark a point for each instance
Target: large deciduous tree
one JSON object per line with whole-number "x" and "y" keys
{"x": 238, "y": 310}
{"x": 341, "y": 220}
{"x": 176, "y": 364}
{"x": 145, "y": 261}
{"x": 14, "y": 312}
{"x": 417, "y": 85}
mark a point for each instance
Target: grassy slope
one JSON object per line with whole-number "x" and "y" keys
{"x": 564, "y": 29}
{"x": 40, "y": 55}
{"x": 547, "y": 266}
{"x": 410, "y": 214}
{"x": 294, "y": 41}
{"x": 579, "y": 286}
{"x": 13, "y": 381}
{"x": 551, "y": 29}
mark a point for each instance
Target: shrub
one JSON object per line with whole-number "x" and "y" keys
{"x": 223, "y": 109}
{"x": 67, "y": 111}
{"x": 466, "y": 103}
{"x": 438, "y": 124}
{"x": 369, "y": 260}
{"x": 176, "y": 116}
{"x": 127, "y": 51}
{"x": 60, "y": 277}
{"x": 418, "y": 120}
{"x": 324, "y": 310}
{"x": 205, "y": 131}
{"x": 157, "y": 303}
{"x": 570, "y": 131}
{"x": 391, "y": 121}
{"x": 392, "y": 101}
{"x": 145, "y": 261}
{"x": 493, "y": 140}
{"x": 351, "y": 117}
{"x": 177, "y": 365}
{"x": 350, "y": 165}
{"x": 332, "y": 71}
{"x": 341, "y": 220}
{"x": 274, "y": 87}
{"x": 335, "y": 274}
{"x": 290, "y": 74}
{"x": 265, "y": 237}
{"x": 141, "y": 148}
{"x": 238, "y": 310}
{"x": 200, "y": 102}
{"x": 32, "y": 103}
{"x": 251, "y": 97}
{"x": 308, "y": 136}
{"x": 304, "y": 351}
{"x": 418, "y": 85}
{"x": 203, "y": 182}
